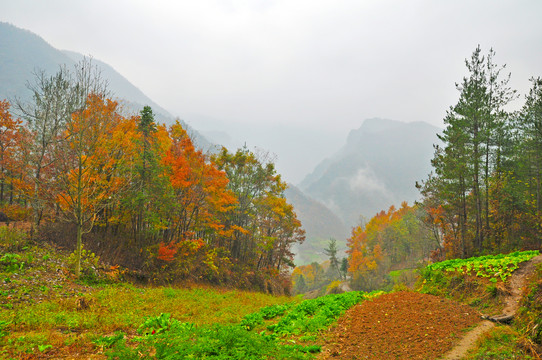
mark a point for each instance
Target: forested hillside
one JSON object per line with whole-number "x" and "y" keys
{"x": 139, "y": 193}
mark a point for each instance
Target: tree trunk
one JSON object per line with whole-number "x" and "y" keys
{"x": 78, "y": 249}
{"x": 463, "y": 217}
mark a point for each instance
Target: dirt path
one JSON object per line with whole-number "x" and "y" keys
{"x": 511, "y": 303}
{"x": 460, "y": 350}
{"x": 517, "y": 283}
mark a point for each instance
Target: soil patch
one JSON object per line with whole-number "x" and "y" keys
{"x": 401, "y": 325}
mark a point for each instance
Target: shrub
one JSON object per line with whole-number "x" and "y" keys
{"x": 16, "y": 212}
{"x": 11, "y": 262}
{"x": 89, "y": 264}
{"x": 334, "y": 288}
{"x": 12, "y": 239}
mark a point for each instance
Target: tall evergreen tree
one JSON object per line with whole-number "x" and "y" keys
{"x": 331, "y": 252}
{"x": 149, "y": 189}
{"x": 474, "y": 141}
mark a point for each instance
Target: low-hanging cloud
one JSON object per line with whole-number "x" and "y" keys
{"x": 366, "y": 181}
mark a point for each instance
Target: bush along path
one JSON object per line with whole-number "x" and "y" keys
{"x": 514, "y": 288}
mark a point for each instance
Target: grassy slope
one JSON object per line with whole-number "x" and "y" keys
{"x": 42, "y": 307}
{"x": 523, "y": 338}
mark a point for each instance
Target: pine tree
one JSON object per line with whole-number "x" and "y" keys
{"x": 331, "y": 252}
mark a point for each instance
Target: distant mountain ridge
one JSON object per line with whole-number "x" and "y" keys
{"x": 121, "y": 86}
{"x": 377, "y": 167}
{"x": 22, "y": 53}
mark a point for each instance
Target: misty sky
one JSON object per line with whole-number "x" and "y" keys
{"x": 293, "y": 64}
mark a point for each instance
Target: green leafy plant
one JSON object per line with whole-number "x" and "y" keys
{"x": 89, "y": 264}
{"x": 11, "y": 262}
{"x": 43, "y": 348}
{"x": 108, "y": 341}
{"x": 156, "y": 324}
{"x": 493, "y": 267}
{"x": 251, "y": 321}
{"x": 3, "y": 325}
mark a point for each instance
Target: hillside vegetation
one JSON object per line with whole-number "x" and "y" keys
{"x": 140, "y": 194}
{"x": 47, "y": 313}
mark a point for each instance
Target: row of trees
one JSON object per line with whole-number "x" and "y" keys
{"x": 392, "y": 240}
{"x": 484, "y": 194}
{"x": 396, "y": 239}
{"x": 76, "y": 159}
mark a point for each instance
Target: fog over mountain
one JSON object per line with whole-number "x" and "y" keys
{"x": 296, "y": 149}
{"x": 376, "y": 168}
{"x": 22, "y": 53}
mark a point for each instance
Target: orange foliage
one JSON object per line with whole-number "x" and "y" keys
{"x": 88, "y": 175}
{"x": 392, "y": 239}
{"x": 199, "y": 187}
{"x": 167, "y": 252}
{"x": 11, "y": 149}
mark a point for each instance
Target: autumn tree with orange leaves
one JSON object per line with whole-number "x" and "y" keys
{"x": 200, "y": 194}
{"x": 391, "y": 240}
{"x": 88, "y": 176}
{"x": 198, "y": 201}
{"x": 11, "y": 135}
